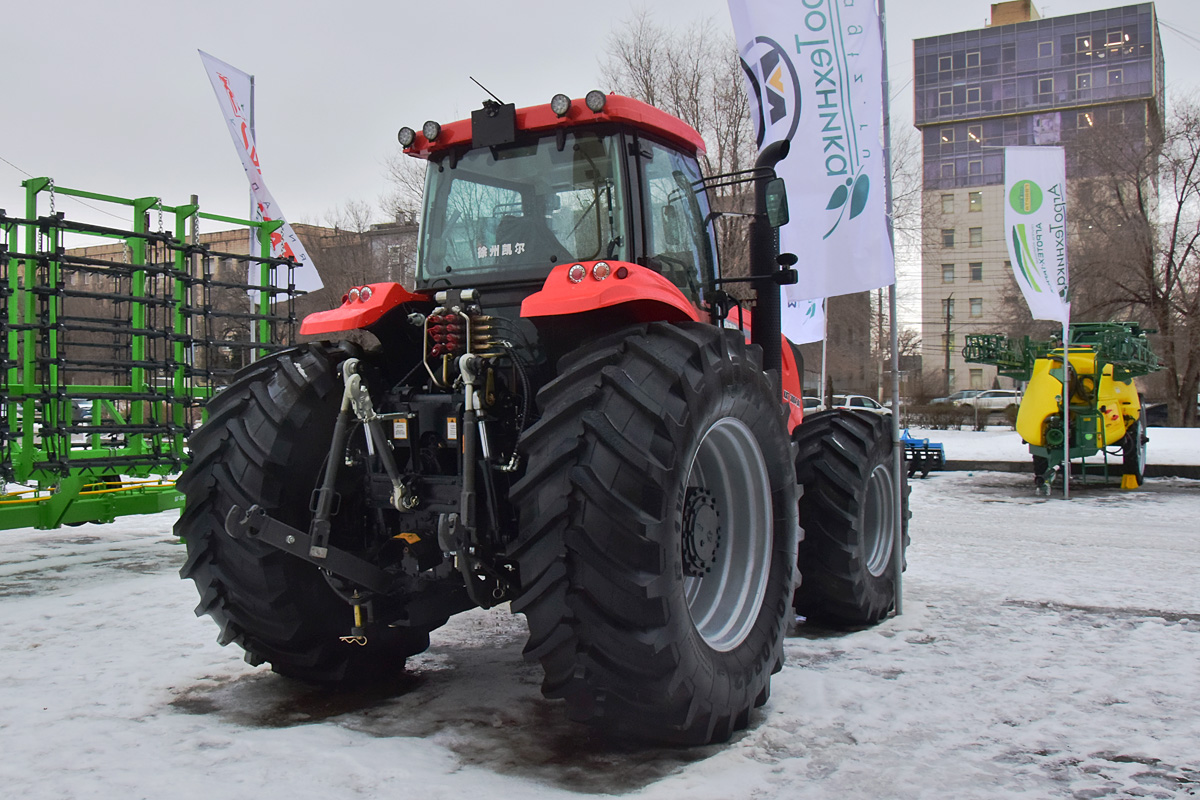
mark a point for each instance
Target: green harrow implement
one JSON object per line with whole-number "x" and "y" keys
{"x": 112, "y": 350}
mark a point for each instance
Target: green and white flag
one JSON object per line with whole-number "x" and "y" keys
{"x": 813, "y": 73}
{"x": 1035, "y": 222}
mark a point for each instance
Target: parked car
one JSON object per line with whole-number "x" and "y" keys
{"x": 812, "y": 403}
{"x": 960, "y": 396}
{"x": 860, "y": 402}
{"x": 994, "y": 400}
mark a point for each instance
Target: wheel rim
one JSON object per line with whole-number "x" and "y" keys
{"x": 879, "y": 521}
{"x": 730, "y": 473}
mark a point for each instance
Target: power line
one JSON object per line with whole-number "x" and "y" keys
{"x": 69, "y": 197}
{"x": 1188, "y": 39}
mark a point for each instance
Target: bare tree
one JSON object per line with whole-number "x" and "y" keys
{"x": 1137, "y": 209}
{"x": 407, "y": 178}
{"x": 694, "y": 74}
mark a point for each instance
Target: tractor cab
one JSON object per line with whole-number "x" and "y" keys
{"x": 514, "y": 193}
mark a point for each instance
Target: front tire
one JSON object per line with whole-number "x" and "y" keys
{"x": 658, "y": 533}
{"x": 847, "y": 557}
{"x": 264, "y": 444}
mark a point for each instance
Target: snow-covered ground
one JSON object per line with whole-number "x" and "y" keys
{"x": 1000, "y": 443}
{"x": 1048, "y": 648}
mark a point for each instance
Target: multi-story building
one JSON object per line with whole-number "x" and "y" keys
{"x": 1022, "y": 80}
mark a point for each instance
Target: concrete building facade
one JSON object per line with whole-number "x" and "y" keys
{"x": 1022, "y": 80}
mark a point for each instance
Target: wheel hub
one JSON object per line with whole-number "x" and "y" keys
{"x": 701, "y": 532}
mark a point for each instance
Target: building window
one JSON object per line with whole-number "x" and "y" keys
{"x": 975, "y": 134}
{"x": 1084, "y": 119}
{"x": 975, "y": 167}
{"x": 1045, "y": 49}
{"x": 948, "y": 310}
{"x": 976, "y": 271}
{"x": 1045, "y": 85}
{"x": 947, "y": 135}
{"x": 973, "y": 58}
{"x": 976, "y": 306}
{"x": 950, "y": 372}
{"x": 1115, "y": 77}
{"x": 975, "y": 237}
{"x": 948, "y": 170}
{"x": 944, "y": 64}
{"x": 1116, "y": 116}
{"x": 1113, "y": 38}
{"x": 1083, "y": 80}
{"x": 1083, "y": 45}
{"x": 974, "y": 201}
{"x": 947, "y": 273}
{"x": 976, "y": 378}
{"x": 972, "y": 94}
{"x": 947, "y": 204}
{"x": 945, "y": 98}
{"x": 947, "y": 237}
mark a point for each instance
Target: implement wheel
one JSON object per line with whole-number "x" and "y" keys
{"x": 658, "y": 533}
{"x": 848, "y": 552}
{"x": 1133, "y": 450}
{"x": 265, "y": 442}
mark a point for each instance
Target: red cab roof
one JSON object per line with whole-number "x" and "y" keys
{"x": 617, "y": 108}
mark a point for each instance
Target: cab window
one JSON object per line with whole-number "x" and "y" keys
{"x": 678, "y": 244}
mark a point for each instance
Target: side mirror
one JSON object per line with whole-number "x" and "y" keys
{"x": 777, "y": 208}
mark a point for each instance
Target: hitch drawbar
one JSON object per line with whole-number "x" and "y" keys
{"x": 254, "y": 523}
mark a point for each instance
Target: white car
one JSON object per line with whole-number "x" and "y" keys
{"x": 860, "y": 402}
{"x": 994, "y": 400}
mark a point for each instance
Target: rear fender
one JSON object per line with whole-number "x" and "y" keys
{"x": 645, "y": 295}
{"x": 791, "y": 379}
{"x": 355, "y": 314}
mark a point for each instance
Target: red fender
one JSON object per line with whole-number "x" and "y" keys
{"x": 353, "y": 314}
{"x": 648, "y": 295}
{"x": 792, "y": 380}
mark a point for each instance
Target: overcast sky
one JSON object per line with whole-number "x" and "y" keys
{"x": 111, "y": 96}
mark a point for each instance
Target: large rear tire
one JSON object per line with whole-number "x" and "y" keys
{"x": 265, "y": 442}
{"x": 658, "y": 533}
{"x": 847, "y": 555}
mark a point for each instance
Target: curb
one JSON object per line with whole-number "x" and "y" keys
{"x": 1152, "y": 470}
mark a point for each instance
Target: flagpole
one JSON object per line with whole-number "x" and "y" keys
{"x": 897, "y": 451}
{"x": 824, "y": 347}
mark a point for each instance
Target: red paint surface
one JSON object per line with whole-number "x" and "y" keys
{"x": 352, "y": 315}
{"x": 540, "y": 118}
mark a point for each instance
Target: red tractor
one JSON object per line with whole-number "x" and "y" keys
{"x": 565, "y": 413}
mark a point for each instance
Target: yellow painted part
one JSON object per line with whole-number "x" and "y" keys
{"x": 1117, "y": 400}
{"x": 411, "y": 538}
{"x": 1129, "y": 482}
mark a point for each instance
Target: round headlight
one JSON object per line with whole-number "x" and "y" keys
{"x": 595, "y": 100}
{"x": 406, "y": 136}
{"x": 560, "y": 104}
{"x": 576, "y": 273}
{"x": 600, "y": 270}
{"x": 353, "y": 295}
{"x": 365, "y": 293}
{"x": 431, "y": 130}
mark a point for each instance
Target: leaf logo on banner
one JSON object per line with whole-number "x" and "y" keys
{"x": 856, "y": 190}
{"x": 1024, "y": 257}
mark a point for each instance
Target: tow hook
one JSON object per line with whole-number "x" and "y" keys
{"x": 358, "y": 633}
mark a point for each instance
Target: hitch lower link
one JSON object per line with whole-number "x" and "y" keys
{"x": 313, "y": 546}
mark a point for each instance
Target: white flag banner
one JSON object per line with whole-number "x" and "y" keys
{"x": 233, "y": 94}
{"x": 1035, "y": 220}
{"x": 813, "y": 73}
{"x": 804, "y": 321}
